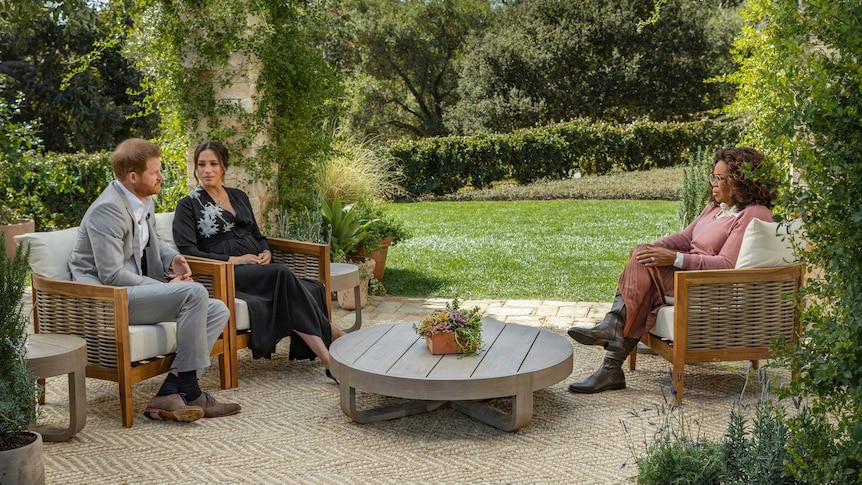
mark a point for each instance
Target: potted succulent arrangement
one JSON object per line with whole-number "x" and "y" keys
{"x": 20, "y": 449}
{"x": 453, "y": 331}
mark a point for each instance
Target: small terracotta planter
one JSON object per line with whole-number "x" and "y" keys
{"x": 379, "y": 257}
{"x": 13, "y": 229}
{"x": 444, "y": 343}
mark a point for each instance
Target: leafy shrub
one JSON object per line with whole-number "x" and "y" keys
{"x": 799, "y": 82}
{"x": 445, "y": 165}
{"x": 55, "y": 189}
{"x": 755, "y": 454}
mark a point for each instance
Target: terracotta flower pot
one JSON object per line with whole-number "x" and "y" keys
{"x": 15, "y": 229}
{"x": 379, "y": 257}
{"x": 444, "y": 343}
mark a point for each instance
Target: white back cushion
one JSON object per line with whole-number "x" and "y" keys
{"x": 50, "y": 251}
{"x": 768, "y": 244}
{"x": 165, "y": 228}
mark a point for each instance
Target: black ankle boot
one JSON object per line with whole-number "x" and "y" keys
{"x": 609, "y": 376}
{"x": 609, "y": 333}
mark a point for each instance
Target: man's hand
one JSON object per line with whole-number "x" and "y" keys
{"x": 180, "y": 270}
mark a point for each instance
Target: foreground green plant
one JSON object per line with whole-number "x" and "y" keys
{"x": 799, "y": 82}
{"x": 676, "y": 452}
{"x": 346, "y": 229}
{"x": 19, "y": 393}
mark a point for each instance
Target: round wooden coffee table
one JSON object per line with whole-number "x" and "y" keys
{"x": 392, "y": 360}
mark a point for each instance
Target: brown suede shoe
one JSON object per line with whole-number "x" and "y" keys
{"x": 213, "y": 408}
{"x": 172, "y": 407}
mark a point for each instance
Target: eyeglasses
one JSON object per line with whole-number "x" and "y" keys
{"x": 716, "y": 180}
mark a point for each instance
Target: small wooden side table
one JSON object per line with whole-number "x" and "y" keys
{"x": 50, "y": 355}
{"x": 344, "y": 276}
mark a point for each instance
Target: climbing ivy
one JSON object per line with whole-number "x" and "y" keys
{"x": 193, "y": 49}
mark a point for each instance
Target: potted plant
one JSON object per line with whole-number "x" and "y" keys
{"x": 367, "y": 284}
{"x": 346, "y": 228}
{"x": 384, "y": 230}
{"x": 12, "y": 223}
{"x": 20, "y": 449}
{"x": 452, "y": 331}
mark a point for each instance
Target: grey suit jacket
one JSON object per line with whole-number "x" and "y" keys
{"x": 108, "y": 251}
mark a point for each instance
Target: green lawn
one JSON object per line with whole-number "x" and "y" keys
{"x": 570, "y": 250}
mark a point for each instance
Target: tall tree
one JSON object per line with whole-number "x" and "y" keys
{"x": 74, "y": 82}
{"x": 398, "y": 57}
{"x": 551, "y": 60}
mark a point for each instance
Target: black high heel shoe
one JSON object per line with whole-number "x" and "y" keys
{"x": 329, "y": 375}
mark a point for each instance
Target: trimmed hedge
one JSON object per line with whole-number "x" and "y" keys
{"x": 444, "y": 165}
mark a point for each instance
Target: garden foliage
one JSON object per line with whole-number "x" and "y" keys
{"x": 19, "y": 392}
{"x": 446, "y": 164}
{"x": 545, "y": 61}
{"x": 695, "y": 191}
{"x": 800, "y": 81}
{"x": 55, "y": 189}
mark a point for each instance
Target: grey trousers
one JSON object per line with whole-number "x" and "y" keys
{"x": 200, "y": 319}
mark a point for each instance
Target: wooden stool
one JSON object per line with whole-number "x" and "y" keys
{"x": 343, "y": 276}
{"x": 51, "y": 355}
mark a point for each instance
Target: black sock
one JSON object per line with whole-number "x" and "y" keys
{"x": 188, "y": 384}
{"x": 170, "y": 386}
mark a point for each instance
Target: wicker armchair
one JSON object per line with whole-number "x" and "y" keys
{"x": 116, "y": 351}
{"x": 726, "y": 315}
{"x": 306, "y": 260}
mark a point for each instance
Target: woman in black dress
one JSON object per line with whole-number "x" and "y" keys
{"x": 217, "y": 222}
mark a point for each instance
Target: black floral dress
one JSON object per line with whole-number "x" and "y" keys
{"x": 279, "y": 302}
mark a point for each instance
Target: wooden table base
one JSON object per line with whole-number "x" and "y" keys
{"x": 51, "y": 355}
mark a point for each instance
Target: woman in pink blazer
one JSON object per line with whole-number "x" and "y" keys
{"x": 740, "y": 193}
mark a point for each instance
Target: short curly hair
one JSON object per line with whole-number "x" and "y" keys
{"x": 750, "y": 182}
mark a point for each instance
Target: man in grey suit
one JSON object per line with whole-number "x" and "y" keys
{"x": 117, "y": 245}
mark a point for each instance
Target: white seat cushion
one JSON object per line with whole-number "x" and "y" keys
{"x": 148, "y": 341}
{"x": 664, "y": 323}
{"x": 243, "y": 322}
{"x": 50, "y": 252}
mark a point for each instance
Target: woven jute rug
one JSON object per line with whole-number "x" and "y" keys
{"x": 292, "y": 430}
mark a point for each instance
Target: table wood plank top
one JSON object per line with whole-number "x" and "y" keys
{"x": 393, "y": 360}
